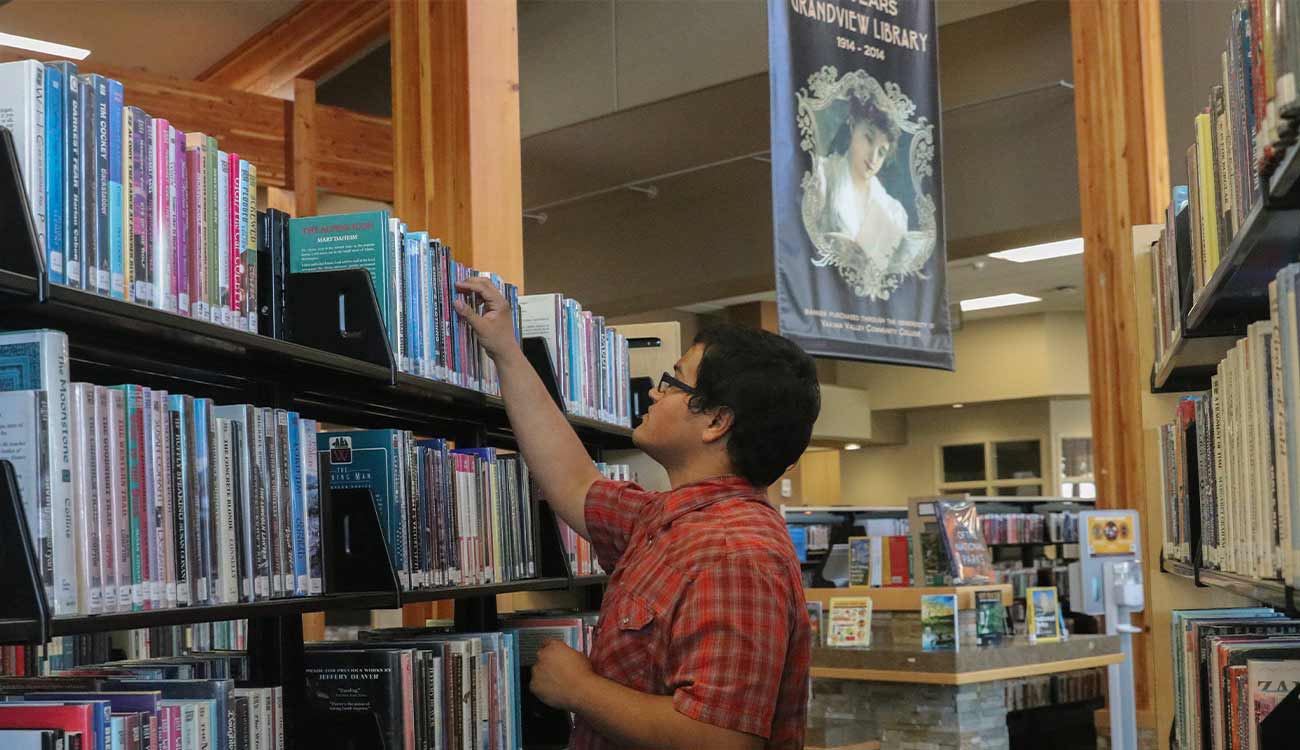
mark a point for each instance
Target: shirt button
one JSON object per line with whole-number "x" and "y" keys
{"x": 626, "y": 620}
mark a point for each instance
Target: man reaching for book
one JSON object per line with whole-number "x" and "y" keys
{"x": 703, "y": 639}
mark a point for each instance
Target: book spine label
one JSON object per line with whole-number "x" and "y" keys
{"x": 54, "y": 170}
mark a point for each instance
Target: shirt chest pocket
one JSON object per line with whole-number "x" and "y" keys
{"x": 635, "y": 644}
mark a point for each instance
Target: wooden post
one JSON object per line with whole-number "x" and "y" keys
{"x": 303, "y": 146}
{"x": 455, "y": 73}
{"x": 1123, "y": 179}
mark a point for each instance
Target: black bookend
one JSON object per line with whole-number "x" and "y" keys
{"x": 273, "y": 267}
{"x": 22, "y": 253}
{"x": 22, "y": 595}
{"x": 1278, "y": 730}
{"x": 356, "y": 557}
{"x": 554, "y": 562}
{"x": 538, "y": 353}
{"x": 337, "y": 311}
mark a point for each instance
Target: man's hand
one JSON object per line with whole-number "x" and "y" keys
{"x": 559, "y": 674}
{"x": 496, "y": 325}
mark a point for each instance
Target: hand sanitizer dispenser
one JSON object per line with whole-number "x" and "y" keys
{"x": 1107, "y": 580}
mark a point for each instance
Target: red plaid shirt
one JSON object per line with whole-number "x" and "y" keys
{"x": 705, "y": 604}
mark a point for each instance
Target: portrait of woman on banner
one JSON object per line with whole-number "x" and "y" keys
{"x": 857, "y": 207}
{"x": 867, "y": 203}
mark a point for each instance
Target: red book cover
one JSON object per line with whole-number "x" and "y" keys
{"x": 77, "y": 718}
{"x": 898, "y": 562}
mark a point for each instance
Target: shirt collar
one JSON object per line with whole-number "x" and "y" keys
{"x": 705, "y": 492}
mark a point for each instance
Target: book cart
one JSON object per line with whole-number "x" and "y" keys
{"x": 334, "y": 366}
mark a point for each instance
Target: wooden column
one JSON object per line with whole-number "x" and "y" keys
{"x": 1123, "y": 180}
{"x": 456, "y": 162}
{"x": 303, "y": 147}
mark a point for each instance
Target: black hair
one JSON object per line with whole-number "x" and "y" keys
{"x": 865, "y": 109}
{"x": 770, "y": 386}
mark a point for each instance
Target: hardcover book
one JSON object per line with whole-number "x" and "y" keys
{"x": 860, "y": 561}
{"x": 963, "y": 539}
{"x": 359, "y": 240}
{"x": 1270, "y": 682}
{"x": 939, "y": 622}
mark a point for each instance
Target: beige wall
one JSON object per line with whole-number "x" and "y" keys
{"x": 1025, "y": 356}
{"x": 889, "y": 475}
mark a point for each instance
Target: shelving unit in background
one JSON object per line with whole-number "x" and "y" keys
{"x": 113, "y": 341}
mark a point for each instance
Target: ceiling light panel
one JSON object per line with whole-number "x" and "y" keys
{"x": 1044, "y": 251}
{"x": 40, "y": 45}
{"x": 997, "y": 300}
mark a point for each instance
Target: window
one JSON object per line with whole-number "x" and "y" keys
{"x": 1004, "y": 467}
{"x": 1075, "y": 467}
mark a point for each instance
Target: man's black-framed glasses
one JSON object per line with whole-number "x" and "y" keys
{"x": 667, "y": 381}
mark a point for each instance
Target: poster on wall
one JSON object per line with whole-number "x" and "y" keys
{"x": 857, "y": 192}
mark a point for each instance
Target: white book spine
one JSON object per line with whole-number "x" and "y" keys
{"x": 22, "y": 110}
{"x": 161, "y": 206}
{"x": 120, "y": 515}
{"x": 104, "y": 500}
{"x": 222, "y": 315}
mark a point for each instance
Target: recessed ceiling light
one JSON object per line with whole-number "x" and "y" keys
{"x": 852, "y": 446}
{"x": 958, "y": 406}
{"x": 1044, "y": 251}
{"x": 997, "y": 300}
{"x": 40, "y": 45}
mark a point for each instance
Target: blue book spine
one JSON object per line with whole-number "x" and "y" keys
{"x": 71, "y": 182}
{"x": 117, "y": 276}
{"x": 299, "y": 508}
{"x": 103, "y": 243}
{"x": 411, "y": 257}
{"x": 54, "y": 174}
{"x": 311, "y": 470}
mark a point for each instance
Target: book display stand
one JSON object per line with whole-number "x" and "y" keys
{"x": 334, "y": 366}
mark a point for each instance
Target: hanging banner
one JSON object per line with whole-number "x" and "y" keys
{"x": 857, "y": 193}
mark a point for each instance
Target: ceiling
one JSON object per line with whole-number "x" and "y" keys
{"x": 179, "y": 38}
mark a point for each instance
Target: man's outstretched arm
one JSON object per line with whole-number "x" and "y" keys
{"x": 554, "y": 454}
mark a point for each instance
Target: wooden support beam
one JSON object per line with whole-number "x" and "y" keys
{"x": 314, "y": 39}
{"x": 456, "y": 72}
{"x": 1123, "y": 179}
{"x": 303, "y": 146}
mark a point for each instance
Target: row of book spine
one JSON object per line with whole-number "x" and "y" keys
{"x": 1048, "y": 690}
{"x": 1231, "y": 477}
{"x": 590, "y": 358}
{"x": 128, "y": 206}
{"x": 451, "y": 517}
{"x": 141, "y": 499}
{"x": 581, "y": 555}
{"x": 67, "y": 652}
{"x": 187, "y": 702}
{"x": 1231, "y": 668}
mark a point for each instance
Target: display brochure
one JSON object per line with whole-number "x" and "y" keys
{"x": 990, "y": 617}
{"x": 815, "y": 616}
{"x": 859, "y": 561}
{"x": 850, "y": 622}
{"x": 1111, "y": 535}
{"x": 963, "y": 539}
{"x": 1044, "y": 616}
{"x": 939, "y": 622}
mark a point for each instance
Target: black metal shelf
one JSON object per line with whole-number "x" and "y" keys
{"x": 114, "y": 340}
{"x": 489, "y": 589}
{"x": 1189, "y": 363}
{"x": 582, "y": 581}
{"x": 1237, "y": 292}
{"x": 1273, "y": 593}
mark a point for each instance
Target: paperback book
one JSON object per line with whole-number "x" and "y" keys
{"x": 939, "y": 627}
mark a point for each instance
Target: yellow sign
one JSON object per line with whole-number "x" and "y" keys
{"x": 1111, "y": 535}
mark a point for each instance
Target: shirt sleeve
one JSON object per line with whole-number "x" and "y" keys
{"x": 729, "y": 641}
{"x": 611, "y": 512}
